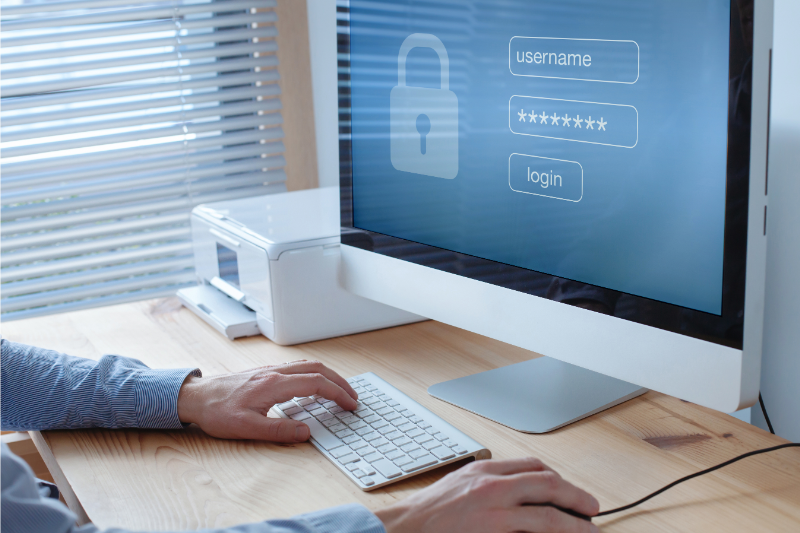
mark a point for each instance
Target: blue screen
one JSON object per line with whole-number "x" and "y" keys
{"x": 583, "y": 139}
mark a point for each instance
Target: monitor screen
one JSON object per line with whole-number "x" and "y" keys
{"x": 592, "y": 152}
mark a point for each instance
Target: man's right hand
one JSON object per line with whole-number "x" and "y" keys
{"x": 489, "y": 496}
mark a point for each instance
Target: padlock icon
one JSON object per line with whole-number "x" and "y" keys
{"x": 424, "y": 121}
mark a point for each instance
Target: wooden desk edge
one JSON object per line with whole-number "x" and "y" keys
{"x": 40, "y": 441}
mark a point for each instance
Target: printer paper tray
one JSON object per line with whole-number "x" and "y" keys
{"x": 226, "y": 315}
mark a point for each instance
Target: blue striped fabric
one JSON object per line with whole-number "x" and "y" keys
{"x": 43, "y": 389}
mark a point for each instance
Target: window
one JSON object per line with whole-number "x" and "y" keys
{"x": 118, "y": 117}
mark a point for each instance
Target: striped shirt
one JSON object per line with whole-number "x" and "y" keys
{"x": 42, "y": 389}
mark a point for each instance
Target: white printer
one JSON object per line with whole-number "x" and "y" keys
{"x": 270, "y": 264}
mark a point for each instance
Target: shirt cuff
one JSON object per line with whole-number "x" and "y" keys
{"x": 156, "y": 396}
{"x": 352, "y": 518}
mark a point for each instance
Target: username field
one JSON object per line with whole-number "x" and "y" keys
{"x": 574, "y": 59}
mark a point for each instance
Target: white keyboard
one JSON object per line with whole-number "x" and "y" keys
{"x": 388, "y": 437}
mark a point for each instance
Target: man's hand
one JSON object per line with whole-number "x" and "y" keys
{"x": 235, "y": 406}
{"x": 489, "y": 496}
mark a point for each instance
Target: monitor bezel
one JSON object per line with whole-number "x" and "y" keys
{"x": 743, "y": 354}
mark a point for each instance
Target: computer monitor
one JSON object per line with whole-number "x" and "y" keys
{"x": 584, "y": 179}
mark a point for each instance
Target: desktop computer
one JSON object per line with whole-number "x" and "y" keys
{"x": 586, "y": 180}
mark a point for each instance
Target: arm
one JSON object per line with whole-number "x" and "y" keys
{"x": 43, "y": 389}
{"x": 501, "y": 496}
{"x": 24, "y": 509}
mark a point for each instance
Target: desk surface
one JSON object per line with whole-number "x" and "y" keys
{"x": 156, "y": 480}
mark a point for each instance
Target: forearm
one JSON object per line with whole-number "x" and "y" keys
{"x": 44, "y": 389}
{"x": 24, "y": 509}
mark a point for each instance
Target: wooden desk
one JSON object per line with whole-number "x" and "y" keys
{"x": 156, "y": 480}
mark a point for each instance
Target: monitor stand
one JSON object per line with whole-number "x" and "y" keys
{"x": 536, "y": 396}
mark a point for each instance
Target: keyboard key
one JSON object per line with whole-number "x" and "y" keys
{"x": 343, "y": 433}
{"x": 402, "y": 441}
{"x": 378, "y": 406}
{"x": 342, "y": 415}
{"x": 353, "y": 466}
{"x": 385, "y": 429}
{"x": 394, "y": 454}
{"x": 335, "y": 409}
{"x": 381, "y": 424}
{"x": 423, "y": 438}
{"x": 367, "y": 450}
{"x": 432, "y": 430}
{"x": 367, "y": 468}
{"x": 393, "y": 434}
{"x": 370, "y": 437}
{"x": 416, "y": 454}
{"x": 349, "y": 458}
{"x": 368, "y": 481}
{"x": 431, "y": 444}
{"x": 366, "y": 430}
{"x": 374, "y": 456}
{"x": 406, "y": 427}
{"x": 340, "y": 452}
{"x": 369, "y": 419}
{"x": 366, "y": 412}
{"x": 386, "y": 468}
{"x": 449, "y": 443}
{"x": 330, "y": 421}
{"x": 357, "y": 445}
{"x": 359, "y": 474}
{"x": 379, "y": 442}
{"x": 422, "y": 462}
{"x": 349, "y": 419}
{"x": 416, "y": 419}
{"x": 351, "y": 439}
{"x": 322, "y": 436}
{"x": 370, "y": 401}
{"x": 399, "y": 421}
{"x": 406, "y": 413}
{"x": 409, "y": 447}
{"x": 302, "y": 415}
{"x": 424, "y": 425}
{"x": 357, "y": 424}
{"x": 403, "y": 460}
{"x": 386, "y": 448}
{"x": 443, "y": 452}
{"x": 416, "y": 432}
{"x": 288, "y": 411}
{"x": 325, "y": 416}
{"x": 371, "y": 387}
{"x": 440, "y": 437}
{"x": 337, "y": 427}
{"x": 366, "y": 394}
{"x": 329, "y": 404}
{"x": 286, "y": 405}
{"x": 394, "y": 415}
{"x": 459, "y": 450}
{"x": 318, "y": 411}
{"x": 393, "y": 403}
{"x": 305, "y": 401}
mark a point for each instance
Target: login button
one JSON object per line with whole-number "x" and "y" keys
{"x": 544, "y": 176}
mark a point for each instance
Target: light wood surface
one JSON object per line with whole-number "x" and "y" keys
{"x": 173, "y": 480}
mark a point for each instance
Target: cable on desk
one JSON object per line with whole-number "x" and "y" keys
{"x": 697, "y": 474}
{"x": 766, "y": 416}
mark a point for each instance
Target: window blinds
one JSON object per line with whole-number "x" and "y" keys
{"x": 118, "y": 117}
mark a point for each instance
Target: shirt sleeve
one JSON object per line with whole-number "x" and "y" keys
{"x": 25, "y": 510}
{"x": 43, "y": 389}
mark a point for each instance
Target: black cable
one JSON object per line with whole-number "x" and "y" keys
{"x": 766, "y": 416}
{"x": 697, "y": 474}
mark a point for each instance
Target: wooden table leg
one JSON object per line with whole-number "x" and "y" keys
{"x": 60, "y": 479}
